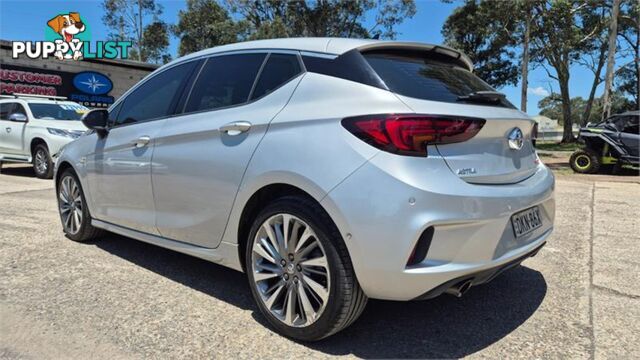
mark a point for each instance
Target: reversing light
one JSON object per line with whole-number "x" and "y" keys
{"x": 409, "y": 134}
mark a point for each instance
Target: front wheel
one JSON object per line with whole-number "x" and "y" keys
{"x": 585, "y": 161}
{"x": 42, "y": 164}
{"x": 74, "y": 214}
{"x": 300, "y": 272}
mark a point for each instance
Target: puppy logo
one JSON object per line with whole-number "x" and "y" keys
{"x": 68, "y": 36}
{"x": 67, "y": 26}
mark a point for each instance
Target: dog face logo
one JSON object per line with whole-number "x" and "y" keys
{"x": 67, "y": 25}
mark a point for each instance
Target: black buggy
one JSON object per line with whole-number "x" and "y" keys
{"x": 614, "y": 142}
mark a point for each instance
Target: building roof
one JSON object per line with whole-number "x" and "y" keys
{"x": 333, "y": 46}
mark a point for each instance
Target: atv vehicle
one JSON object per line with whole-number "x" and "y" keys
{"x": 615, "y": 142}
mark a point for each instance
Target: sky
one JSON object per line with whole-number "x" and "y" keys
{"x": 26, "y": 20}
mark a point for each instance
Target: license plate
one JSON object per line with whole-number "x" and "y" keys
{"x": 526, "y": 221}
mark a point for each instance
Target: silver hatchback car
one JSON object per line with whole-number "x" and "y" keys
{"x": 329, "y": 170}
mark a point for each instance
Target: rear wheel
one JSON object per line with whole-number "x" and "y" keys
{"x": 74, "y": 214}
{"x": 585, "y": 161}
{"x": 300, "y": 272}
{"x": 42, "y": 164}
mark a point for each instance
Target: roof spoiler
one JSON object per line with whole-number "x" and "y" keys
{"x": 462, "y": 59}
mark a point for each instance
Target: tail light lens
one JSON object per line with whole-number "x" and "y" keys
{"x": 410, "y": 134}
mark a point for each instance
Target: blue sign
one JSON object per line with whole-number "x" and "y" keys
{"x": 93, "y": 83}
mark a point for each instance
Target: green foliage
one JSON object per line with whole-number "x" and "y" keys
{"x": 204, "y": 24}
{"x": 487, "y": 31}
{"x": 628, "y": 77}
{"x": 551, "y": 107}
{"x": 627, "y": 83}
{"x": 125, "y": 20}
{"x": 155, "y": 41}
{"x": 333, "y": 18}
{"x": 554, "y": 146}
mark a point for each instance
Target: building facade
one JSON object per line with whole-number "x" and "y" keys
{"x": 90, "y": 82}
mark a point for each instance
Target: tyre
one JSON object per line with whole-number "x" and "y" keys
{"x": 585, "y": 161}
{"x": 74, "y": 213}
{"x": 300, "y": 272}
{"x": 42, "y": 164}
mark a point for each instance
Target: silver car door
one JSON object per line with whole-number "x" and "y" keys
{"x": 200, "y": 157}
{"x": 119, "y": 169}
{"x": 119, "y": 174}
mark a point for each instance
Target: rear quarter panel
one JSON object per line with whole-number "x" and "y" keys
{"x": 306, "y": 145}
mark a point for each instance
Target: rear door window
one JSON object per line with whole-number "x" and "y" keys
{"x": 224, "y": 81}
{"x": 426, "y": 78}
{"x": 279, "y": 69}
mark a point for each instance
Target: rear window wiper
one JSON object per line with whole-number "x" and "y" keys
{"x": 491, "y": 97}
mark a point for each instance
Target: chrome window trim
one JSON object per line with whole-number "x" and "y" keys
{"x": 247, "y": 102}
{"x": 182, "y": 112}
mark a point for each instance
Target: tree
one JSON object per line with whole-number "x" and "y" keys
{"x": 126, "y": 21}
{"x": 155, "y": 41}
{"x": 594, "y": 57}
{"x": 526, "y": 39}
{"x": 204, "y": 24}
{"x": 627, "y": 84}
{"x": 334, "y": 18}
{"x": 608, "y": 83}
{"x": 484, "y": 30}
{"x": 558, "y": 42}
{"x": 551, "y": 107}
{"x": 628, "y": 76}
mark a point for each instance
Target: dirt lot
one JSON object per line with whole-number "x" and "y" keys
{"x": 119, "y": 298}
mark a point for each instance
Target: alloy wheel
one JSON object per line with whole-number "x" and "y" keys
{"x": 42, "y": 161}
{"x": 290, "y": 270}
{"x": 70, "y": 204}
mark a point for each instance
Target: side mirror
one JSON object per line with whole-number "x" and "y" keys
{"x": 18, "y": 117}
{"x": 97, "y": 119}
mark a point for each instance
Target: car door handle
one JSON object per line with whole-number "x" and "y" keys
{"x": 236, "y": 128}
{"x": 142, "y": 141}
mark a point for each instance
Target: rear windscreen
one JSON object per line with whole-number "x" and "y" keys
{"x": 426, "y": 78}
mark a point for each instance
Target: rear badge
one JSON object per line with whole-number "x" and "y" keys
{"x": 515, "y": 139}
{"x": 466, "y": 171}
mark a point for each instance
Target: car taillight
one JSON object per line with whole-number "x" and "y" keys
{"x": 409, "y": 134}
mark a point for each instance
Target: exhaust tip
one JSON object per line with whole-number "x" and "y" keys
{"x": 459, "y": 289}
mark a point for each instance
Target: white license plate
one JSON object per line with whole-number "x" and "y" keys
{"x": 526, "y": 221}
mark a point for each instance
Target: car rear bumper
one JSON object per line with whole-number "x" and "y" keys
{"x": 481, "y": 276}
{"x": 385, "y": 206}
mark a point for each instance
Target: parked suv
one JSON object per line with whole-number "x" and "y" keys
{"x": 34, "y": 129}
{"x": 329, "y": 170}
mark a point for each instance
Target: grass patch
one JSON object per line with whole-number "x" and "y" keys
{"x": 554, "y": 146}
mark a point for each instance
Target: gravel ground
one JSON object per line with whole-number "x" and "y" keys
{"x": 118, "y": 298}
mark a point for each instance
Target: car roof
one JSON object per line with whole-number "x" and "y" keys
{"x": 333, "y": 46}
